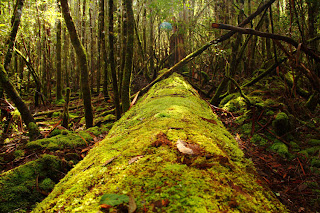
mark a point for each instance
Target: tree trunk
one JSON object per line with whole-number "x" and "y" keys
{"x": 44, "y": 63}
{"x": 100, "y": 31}
{"x": 82, "y": 62}
{"x": 7, "y": 85}
{"x": 18, "y": 102}
{"x": 66, "y": 54}
{"x": 124, "y": 31}
{"x": 125, "y": 95}
{"x": 58, "y": 64}
{"x": 167, "y": 155}
{"x": 112, "y": 62}
{"x": 15, "y": 21}
{"x": 104, "y": 55}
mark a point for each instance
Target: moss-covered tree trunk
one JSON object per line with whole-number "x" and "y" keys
{"x": 169, "y": 153}
{"x": 104, "y": 54}
{"x": 112, "y": 62}
{"x": 82, "y": 61}
{"x": 19, "y": 103}
{"x": 125, "y": 95}
{"x": 58, "y": 59}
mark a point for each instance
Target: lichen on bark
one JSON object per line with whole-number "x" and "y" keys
{"x": 139, "y": 157}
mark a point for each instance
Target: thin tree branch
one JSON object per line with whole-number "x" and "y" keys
{"x": 286, "y": 39}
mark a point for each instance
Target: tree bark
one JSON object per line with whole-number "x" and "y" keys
{"x": 15, "y": 21}
{"x": 82, "y": 62}
{"x": 104, "y": 54}
{"x": 125, "y": 95}
{"x": 58, "y": 64}
{"x": 116, "y": 97}
{"x": 16, "y": 99}
{"x": 167, "y": 155}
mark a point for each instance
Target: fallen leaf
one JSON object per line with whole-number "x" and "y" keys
{"x": 132, "y": 160}
{"x": 132, "y": 204}
{"x": 105, "y": 206}
{"x": 182, "y": 147}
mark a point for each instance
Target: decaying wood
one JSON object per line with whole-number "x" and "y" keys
{"x": 169, "y": 153}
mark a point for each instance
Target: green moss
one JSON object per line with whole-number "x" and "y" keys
{"x": 70, "y": 140}
{"x": 314, "y": 142}
{"x": 56, "y": 114}
{"x": 94, "y": 130}
{"x": 19, "y": 153}
{"x": 55, "y": 132}
{"x": 60, "y": 101}
{"x": 315, "y": 162}
{"x": 280, "y": 148}
{"x": 257, "y": 139}
{"x": 34, "y": 131}
{"x": 281, "y": 124}
{"x": 246, "y": 128}
{"x": 228, "y": 98}
{"x": 304, "y": 154}
{"x": 186, "y": 183}
{"x": 47, "y": 185}
{"x": 313, "y": 150}
{"x": 295, "y": 147}
{"x": 235, "y": 105}
{"x": 18, "y": 186}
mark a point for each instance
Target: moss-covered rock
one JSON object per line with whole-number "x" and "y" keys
{"x": 18, "y": 187}
{"x": 281, "y": 124}
{"x": 140, "y": 158}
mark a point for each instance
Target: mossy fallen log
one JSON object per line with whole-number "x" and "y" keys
{"x": 171, "y": 154}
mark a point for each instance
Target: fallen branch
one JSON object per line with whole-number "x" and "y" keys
{"x": 286, "y": 39}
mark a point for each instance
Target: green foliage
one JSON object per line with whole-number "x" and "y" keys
{"x": 166, "y": 9}
{"x": 113, "y": 199}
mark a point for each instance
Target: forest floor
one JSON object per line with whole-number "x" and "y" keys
{"x": 291, "y": 171}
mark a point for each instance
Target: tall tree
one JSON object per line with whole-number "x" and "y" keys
{"x": 125, "y": 95}
{"x": 104, "y": 54}
{"x": 100, "y": 31}
{"x": 4, "y": 80}
{"x": 112, "y": 61}
{"x": 82, "y": 62}
{"x": 58, "y": 52}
